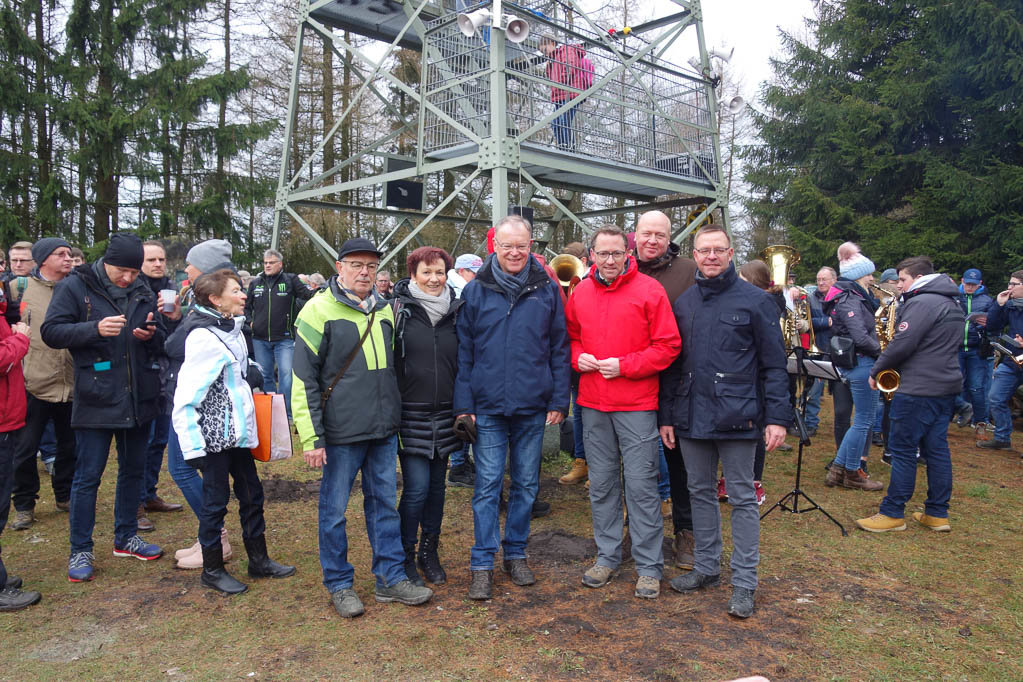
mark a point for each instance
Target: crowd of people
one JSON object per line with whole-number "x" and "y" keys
{"x": 674, "y": 371}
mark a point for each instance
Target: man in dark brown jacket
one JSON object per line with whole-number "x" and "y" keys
{"x": 659, "y": 258}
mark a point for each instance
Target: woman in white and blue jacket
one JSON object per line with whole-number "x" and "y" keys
{"x": 215, "y": 419}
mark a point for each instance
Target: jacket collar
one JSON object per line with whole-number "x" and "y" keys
{"x": 710, "y": 286}
{"x": 627, "y": 274}
{"x": 334, "y": 287}
{"x": 537, "y": 275}
{"x": 662, "y": 262}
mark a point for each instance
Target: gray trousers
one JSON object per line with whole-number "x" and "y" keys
{"x": 613, "y": 441}
{"x": 701, "y": 458}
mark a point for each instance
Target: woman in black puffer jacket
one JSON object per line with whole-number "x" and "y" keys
{"x": 851, "y": 309}
{"x": 426, "y": 360}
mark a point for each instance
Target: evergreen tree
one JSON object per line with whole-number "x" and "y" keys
{"x": 896, "y": 125}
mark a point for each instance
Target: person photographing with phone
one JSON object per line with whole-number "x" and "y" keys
{"x": 108, "y": 319}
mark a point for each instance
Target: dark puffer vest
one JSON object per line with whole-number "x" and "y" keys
{"x": 426, "y": 361}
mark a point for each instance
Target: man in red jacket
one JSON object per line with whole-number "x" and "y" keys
{"x": 13, "y": 347}
{"x": 623, "y": 335}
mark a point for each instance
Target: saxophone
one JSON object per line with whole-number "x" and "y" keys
{"x": 780, "y": 259}
{"x": 888, "y": 380}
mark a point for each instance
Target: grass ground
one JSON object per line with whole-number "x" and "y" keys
{"x": 899, "y": 606}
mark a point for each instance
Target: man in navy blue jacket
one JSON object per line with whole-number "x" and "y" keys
{"x": 728, "y": 389}
{"x": 513, "y": 378}
{"x": 1007, "y": 310}
{"x": 974, "y": 301}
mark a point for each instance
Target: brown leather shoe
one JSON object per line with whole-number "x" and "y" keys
{"x": 834, "y": 476}
{"x": 858, "y": 479}
{"x": 64, "y": 506}
{"x": 157, "y": 504}
{"x": 682, "y": 549}
{"x": 145, "y": 525}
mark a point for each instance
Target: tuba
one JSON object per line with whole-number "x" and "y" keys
{"x": 780, "y": 259}
{"x": 569, "y": 270}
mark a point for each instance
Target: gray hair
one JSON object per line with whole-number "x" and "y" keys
{"x": 271, "y": 253}
{"x": 515, "y": 220}
{"x": 829, "y": 269}
{"x": 609, "y": 229}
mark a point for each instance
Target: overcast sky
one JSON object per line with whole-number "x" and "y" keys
{"x": 750, "y": 26}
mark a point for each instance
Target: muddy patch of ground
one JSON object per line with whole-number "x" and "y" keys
{"x": 287, "y": 490}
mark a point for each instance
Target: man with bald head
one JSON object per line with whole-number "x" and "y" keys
{"x": 513, "y": 378}
{"x": 661, "y": 259}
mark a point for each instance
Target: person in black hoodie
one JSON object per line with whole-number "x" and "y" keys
{"x": 852, "y": 316}
{"x": 274, "y": 299}
{"x": 154, "y": 265}
{"x": 924, "y": 350}
{"x": 426, "y": 361}
{"x": 108, "y": 319}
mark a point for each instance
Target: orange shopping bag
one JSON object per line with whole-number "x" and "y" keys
{"x": 272, "y": 428}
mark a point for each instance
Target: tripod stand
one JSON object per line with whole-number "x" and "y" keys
{"x": 799, "y": 411}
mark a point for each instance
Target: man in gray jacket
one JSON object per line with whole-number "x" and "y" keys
{"x": 924, "y": 351}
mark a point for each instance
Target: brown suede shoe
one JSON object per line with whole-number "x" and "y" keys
{"x": 682, "y": 549}
{"x": 858, "y": 479}
{"x": 158, "y": 504}
{"x": 144, "y": 524}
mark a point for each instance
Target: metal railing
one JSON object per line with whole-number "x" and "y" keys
{"x": 652, "y": 115}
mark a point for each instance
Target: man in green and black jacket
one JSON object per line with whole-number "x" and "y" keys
{"x": 347, "y": 410}
{"x": 274, "y": 299}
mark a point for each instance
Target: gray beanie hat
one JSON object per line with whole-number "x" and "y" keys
{"x": 210, "y": 255}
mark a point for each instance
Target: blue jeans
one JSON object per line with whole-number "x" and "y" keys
{"x": 1003, "y": 385}
{"x": 577, "y": 427}
{"x": 48, "y": 443}
{"x": 459, "y": 457}
{"x": 562, "y": 126}
{"x": 422, "y": 496}
{"x": 494, "y": 435}
{"x": 158, "y": 436}
{"x": 974, "y": 369}
{"x": 376, "y": 459}
{"x": 280, "y": 353}
{"x": 856, "y": 442}
{"x": 186, "y": 477}
{"x": 879, "y": 414}
{"x": 813, "y": 405}
{"x": 663, "y": 482}
{"x": 919, "y": 421}
{"x": 92, "y": 447}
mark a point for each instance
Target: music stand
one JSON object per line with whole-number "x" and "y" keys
{"x": 804, "y": 365}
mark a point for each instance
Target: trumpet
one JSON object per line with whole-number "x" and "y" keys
{"x": 569, "y": 270}
{"x": 888, "y": 381}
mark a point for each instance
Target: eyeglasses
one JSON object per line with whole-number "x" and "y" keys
{"x": 271, "y": 262}
{"x": 716, "y": 250}
{"x": 520, "y": 248}
{"x": 21, "y": 260}
{"x": 358, "y": 266}
{"x": 605, "y": 255}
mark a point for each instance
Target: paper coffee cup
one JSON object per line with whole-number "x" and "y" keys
{"x": 168, "y": 298}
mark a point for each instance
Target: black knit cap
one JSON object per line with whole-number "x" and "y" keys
{"x": 125, "y": 251}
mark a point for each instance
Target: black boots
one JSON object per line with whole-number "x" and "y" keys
{"x": 213, "y": 574}
{"x": 261, "y": 565}
{"x": 428, "y": 561}
{"x": 410, "y": 566}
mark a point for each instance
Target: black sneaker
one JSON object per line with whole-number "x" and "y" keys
{"x": 519, "y": 571}
{"x": 741, "y": 603}
{"x": 887, "y": 458}
{"x": 15, "y": 599}
{"x": 994, "y": 444}
{"x": 687, "y": 582}
{"x": 482, "y": 585}
{"x": 462, "y": 476}
{"x": 540, "y": 509}
{"x": 877, "y": 439}
{"x": 963, "y": 415}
